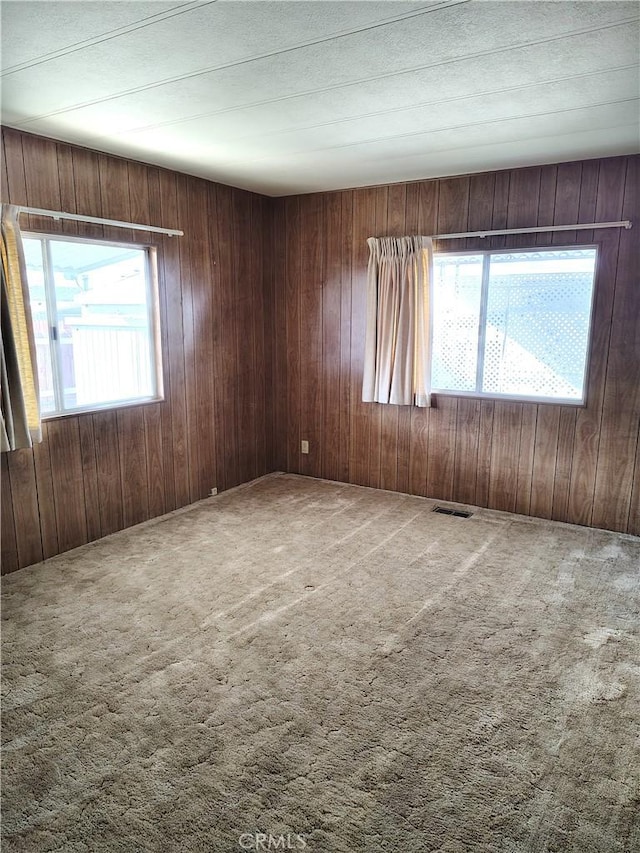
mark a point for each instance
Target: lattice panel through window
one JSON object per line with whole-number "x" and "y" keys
{"x": 536, "y": 334}
{"x": 456, "y": 313}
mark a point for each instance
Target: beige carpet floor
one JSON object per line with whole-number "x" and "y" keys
{"x": 298, "y": 664}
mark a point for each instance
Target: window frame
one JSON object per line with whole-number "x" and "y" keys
{"x": 153, "y": 317}
{"x": 519, "y": 398}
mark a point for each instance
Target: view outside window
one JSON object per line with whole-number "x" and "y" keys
{"x": 513, "y": 324}
{"x": 92, "y": 314}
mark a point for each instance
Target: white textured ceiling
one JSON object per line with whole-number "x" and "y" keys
{"x": 285, "y": 97}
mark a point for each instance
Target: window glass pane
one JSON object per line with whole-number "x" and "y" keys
{"x": 104, "y": 336}
{"x": 537, "y": 329}
{"x": 38, "y": 302}
{"x": 456, "y": 312}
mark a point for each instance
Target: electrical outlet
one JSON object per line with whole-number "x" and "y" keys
{"x": 304, "y": 446}
{"x": 213, "y": 492}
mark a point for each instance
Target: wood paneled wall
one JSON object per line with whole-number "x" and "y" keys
{"x": 262, "y": 309}
{"x": 571, "y": 464}
{"x": 97, "y": 473}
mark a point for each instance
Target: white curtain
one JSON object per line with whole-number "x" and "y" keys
{"x": 397, "y": 365}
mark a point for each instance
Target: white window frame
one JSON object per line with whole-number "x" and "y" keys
{"x": 486, "y": 254}
{"x": 153, "y": 315}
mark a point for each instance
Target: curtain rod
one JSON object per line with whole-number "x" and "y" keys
{"x": 171, "y": 232}
{"x": 623, "y": 223}
{"x": 96, "y": 220}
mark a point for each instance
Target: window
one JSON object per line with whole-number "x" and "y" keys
{"x": 513, "y": 323}
{"x": 94, "y": 315}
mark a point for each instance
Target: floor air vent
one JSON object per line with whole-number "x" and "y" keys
{"x": 459, "y": 513}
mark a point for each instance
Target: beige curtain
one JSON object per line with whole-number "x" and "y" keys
{"x": 397, "y": 345}
{"x": 18, "y": 374}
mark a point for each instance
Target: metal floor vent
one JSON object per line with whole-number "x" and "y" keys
{"x": 459, "y": 513}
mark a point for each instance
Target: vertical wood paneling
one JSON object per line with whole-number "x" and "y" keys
{"x": 154, "y": 453}
{"x": 142, "y": 181}
{"x": 8, "y": 543}
{"x": 86, "y": 175}
{"x": 202, "y": 301}
{"x": 239, "y": 345}
{"x": 133, "y": 465}
{"x": 364, "y": 218}
{"x": 540, "y": 459}
{"x": 114, "y": 193}
{"x": 528, "y": 426}
{"x": 610, "y": 195}
{"x": 485, "y": 437}
{"x": 550, "y": 494}
{"x": 373, "y": 413}
{"x": 522, "y": 205}
{"x": 453, "y": 215}
{"x": 67, "y": 184}
{"x": 68, "y": 482}
{"x": 634, "y": 508}
{"x": 311, "y": 324}
{"x": 617, "y": 451}
{"x": 544, "y": 461}
{"x": 269, "y": 332}
{"x": 426, "y": 222}
{"x": 292, "y": 303}
{"x": 138, "y": 185}
{"x": 547, "y": 200}
{"x": 411, "y": 211}
{"x": 96, "y": 473}
{"x": 481, "y": 200}
{"x": 500, "y": 209}
{"x": 263, "y": 307}
{"x": 240, "y": 236}
{"x": 171, "y": 301}
{"x": 46, "y": 500}
{"x": 345, "y": 333}
{"x": 105, "y": 436}
{"x": 467, "y": 433}
{"x": 261, "y": 367}
{"x": 14, "y": 165}
{"x": 564, "y": 460}
{"x": 89, "y": 477}
{"x": 281, "y": 333}
{"x": 376, "y": 410}
{"x": 505, "y": 452}
{"x": 4, "y": 175}
{"x": 331, "y": 332}
{"x": 24, "y": 500}
{"x": 42, "y": 179}
{"x": 189, "y": 343}
{"x": 166, "y": 414}
{"x": 566, "y": 210}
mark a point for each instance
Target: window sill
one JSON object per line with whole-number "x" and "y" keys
{"x": 97, "y": 409}
{"x": 512, "y": 398}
